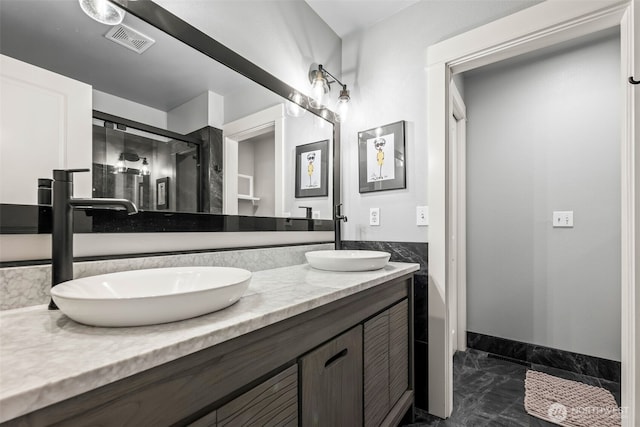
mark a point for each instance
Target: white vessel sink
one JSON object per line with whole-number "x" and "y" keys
{"x": 147, "y": 297}
{"x": 347, "y": 260}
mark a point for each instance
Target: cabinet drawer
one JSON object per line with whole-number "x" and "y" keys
{"x": 331, "y": 379}
{"x": 272, "y": 403}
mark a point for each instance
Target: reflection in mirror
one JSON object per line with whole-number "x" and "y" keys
{"x": 157, "y": 82}
{"x": 127, "y": 164}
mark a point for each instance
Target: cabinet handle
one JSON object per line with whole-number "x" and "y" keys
{"x": 335, "y": 358}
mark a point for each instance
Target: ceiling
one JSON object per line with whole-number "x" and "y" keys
{"x": 347, "y": 16}
{"x": 56, "y": 35}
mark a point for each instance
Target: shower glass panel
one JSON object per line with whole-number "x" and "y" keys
{"x": 155, "y": 172}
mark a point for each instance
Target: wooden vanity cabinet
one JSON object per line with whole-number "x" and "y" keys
{"x": 386, "y": 363}
{"x": 353, "y": 354}
{"x": 331, "y": 382}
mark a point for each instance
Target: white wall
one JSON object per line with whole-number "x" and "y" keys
{"x": 206, "y": 109}
{"x": 283, "y": 37}
{"x": 248, "y": 100}
{"x": 122, "y": 107}
{"x": 384, "y": 66}
{"x": 542, "y": 136}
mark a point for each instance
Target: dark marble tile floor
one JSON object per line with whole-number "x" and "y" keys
{"x": 490, "y": 392}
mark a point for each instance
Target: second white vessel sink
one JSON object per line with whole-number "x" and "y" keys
{"x": 147, "y": 297}
{"x": 347, "y": 260}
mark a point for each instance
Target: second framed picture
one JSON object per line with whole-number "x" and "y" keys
{"x": 381, "y": 155}
{"x": 312, "y": 171}
{"x": 162, "y": 193}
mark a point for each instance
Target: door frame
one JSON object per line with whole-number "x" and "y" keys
{"x": 545, "y": 24}
{"x": 243, "y": 129}
{"x": 457, "y": 153}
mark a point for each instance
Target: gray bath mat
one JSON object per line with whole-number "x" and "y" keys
{"x": 569, "y": 403}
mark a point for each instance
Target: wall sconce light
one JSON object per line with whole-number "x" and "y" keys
{"x": 102, "y": 11}
{"x": 121, "y": 164}
{"x": 321, "y": 81}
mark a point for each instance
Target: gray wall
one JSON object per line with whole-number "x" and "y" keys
{"x": 543, "y": 135}
{"x": 385, "y": 68}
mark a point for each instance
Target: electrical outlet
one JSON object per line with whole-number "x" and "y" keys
{"x": 563, "y": 218}
{"x": 422, "y": 215}
{"x": 374, "y": 216}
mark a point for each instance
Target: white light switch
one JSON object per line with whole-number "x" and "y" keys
{"x": 422, "y": 215}
{"x": 374, "y": 216}
{"x": 563, "y": 218}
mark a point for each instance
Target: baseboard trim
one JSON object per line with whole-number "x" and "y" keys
{"x": 533, "y": 354}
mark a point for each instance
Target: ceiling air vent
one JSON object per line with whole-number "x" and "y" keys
{"x": 129, "y": 38}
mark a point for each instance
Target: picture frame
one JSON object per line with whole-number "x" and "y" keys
{"x": 312, "y": 170}
{"x": 141, "y": 195}
{"x": 162, "y": 193}
{"x": 382, "y": 158}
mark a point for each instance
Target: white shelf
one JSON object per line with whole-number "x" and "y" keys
{"x": 249, "y": 198}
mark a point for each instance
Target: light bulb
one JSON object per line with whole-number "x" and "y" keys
{"x": 318, "y": 94}
{"x": 144, "y": 170}
{"x": 318, "y": 90}
{"x": 120, "y": 166}
{"x": 342, "y": 107}
{"x": 102, "y": 11}
{"x": 293, "y": 107}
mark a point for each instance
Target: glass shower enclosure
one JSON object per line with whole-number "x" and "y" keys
{"x": 154, "y": 168}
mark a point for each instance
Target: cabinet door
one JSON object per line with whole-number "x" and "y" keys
{"x": 331, "y": 379}
{"x": 376, "y": 369}
{"x": 386, "y": 362}
{"x": 398, "y": 351}
{"x": 272, "y": 403}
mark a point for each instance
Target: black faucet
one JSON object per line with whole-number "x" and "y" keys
{"x": 62, "y": 232}
{"x": 337, "y": 225}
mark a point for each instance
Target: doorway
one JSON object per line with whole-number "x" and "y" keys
{"x": 545, "y": 24}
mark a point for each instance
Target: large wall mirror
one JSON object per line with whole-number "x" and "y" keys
{"x": 172, "y": 129}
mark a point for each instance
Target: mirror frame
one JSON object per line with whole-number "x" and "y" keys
{"x": 179, "y": 29}
{"x": 35, "y": 219}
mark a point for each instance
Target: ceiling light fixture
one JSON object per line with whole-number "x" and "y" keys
{"x": 321, "y": 81}
{"x": 102, "y": 11}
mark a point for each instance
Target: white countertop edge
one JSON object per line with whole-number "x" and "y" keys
{"x": 14, "y": 403}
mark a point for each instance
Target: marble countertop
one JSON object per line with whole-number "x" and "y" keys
{"x": 45, "y": 357}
